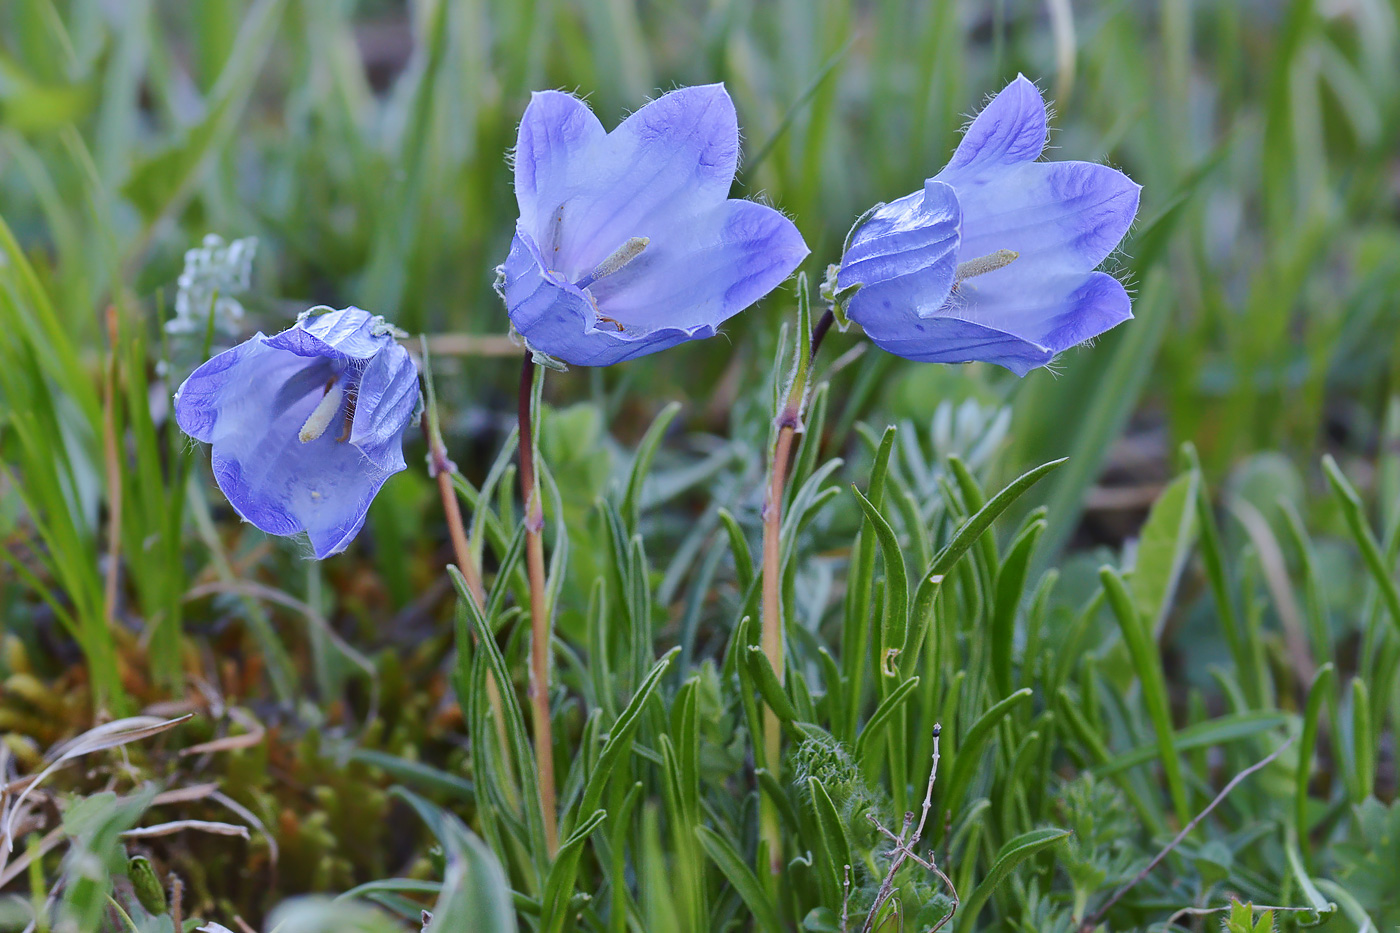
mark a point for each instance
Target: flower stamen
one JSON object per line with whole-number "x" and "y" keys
{"x": 321, "y": 415}
{"x": 620, "y": 257}
{"x": 984, "y": 264}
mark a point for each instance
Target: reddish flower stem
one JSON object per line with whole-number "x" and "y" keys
{"x": 540, "y": 634}
{"x": 771, "y": 632}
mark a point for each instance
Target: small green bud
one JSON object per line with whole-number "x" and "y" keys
{"x": 149, "y": 890}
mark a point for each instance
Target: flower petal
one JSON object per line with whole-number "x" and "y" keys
{"x": 275, "y": 481}
{"x": 1010, "y": 130}
{"x": 702, "y": 275}
{"x": 327, "y": 499}
{"x": 556, "y": 318}
{"x": 1054, "y": 312}
{"x": 1059, "y": 216}
{"x": 671, "y": 160}
{"x": 201, "y": 396}
{"x": 346, "y": 334}
{"x": 384, "y": 403}
{"x": 555, "y": 131}
{"x": 950, "y": 340}
{"x": 905, "y": 258}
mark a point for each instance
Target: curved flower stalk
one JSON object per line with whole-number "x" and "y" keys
{"x": 627, "y": 242}
{"x": 306, "y": 425}
{"x": 994, "y": 259}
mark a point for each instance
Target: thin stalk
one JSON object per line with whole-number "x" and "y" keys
{"x": 819, "y": 332}
{"x": 771, "y": 634}
{"x": 441, "y": 467}
{"x": 771, "y": 631}
{"x": 540, "y": 634}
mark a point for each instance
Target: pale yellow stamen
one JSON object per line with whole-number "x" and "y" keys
{"x": 321, "y": 416}
{"x": 984, "y": 264}
{"x": 622, "y": 256}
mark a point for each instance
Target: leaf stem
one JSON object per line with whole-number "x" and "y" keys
{"x": 540, "y": 634}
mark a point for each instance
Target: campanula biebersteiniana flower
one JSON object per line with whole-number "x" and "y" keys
{"x": 994, "y": 259}
{"x": 627, "y": 242}
{"x": 306, "y": 425}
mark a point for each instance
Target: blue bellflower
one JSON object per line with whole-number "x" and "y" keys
{"x": 627, "y": 242}
{"x": 994, "y": 259}
{"x": 306, "y": 425}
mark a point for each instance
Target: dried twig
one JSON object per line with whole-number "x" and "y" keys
{"x": 845, "y": 898}
{"x": 903, "y": 851}
{"x": 175, "y": 826}
{"x": 108, "y": 735}
{"x": 184, "y": 794}
{"x": 254, "y": 736}
{"x": 177, "y": 901}
{"x": 252, "y": 820}
{"x": 1093, "y": 919}
{"x": 1207, "y": 911}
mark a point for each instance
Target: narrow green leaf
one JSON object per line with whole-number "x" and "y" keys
{"x": 1010, "y": 587}
{"x": 767, "y": 682}
{"x": 1354, "y": 513}
{"x": 1012, "y": 854}
{"x": 1213, "y": 557}
{"x": 967, "y": 757}
{"x": 1148, "y": 664}
{"x": 475, "y": 894}
{"x": 741, "y": 877}
{"x": 739, "y": 547}
{"x": 857, "y": 609}
{"x": 559, "y": 885}
{"x": 836, "y": 848}
{"x": 1228, "y": 728}
{"x": 520, "y": 747}
{"x": 1363, "y": 739}
{"x": 1323, "y": 907}
{"x": 875, "y": 726}
{"x": 1163, "y": 547}
{"x": 1307, "y": 747}
{"x": 921, "y": 617}
{"x": 641, "y": 464}
{"x": 416, "y": 772}
{"x": 896, "y": 577}
{"x": 770, "y": 787}
{"x": 621, "y": 734}
{"x": 973, "y": 499}
{"x": 970, "y": 530}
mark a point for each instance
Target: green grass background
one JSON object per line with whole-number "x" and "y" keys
{"x": 1252, "y": 404}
